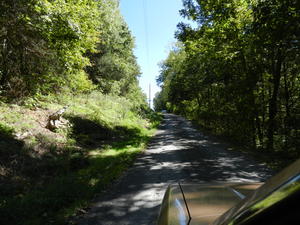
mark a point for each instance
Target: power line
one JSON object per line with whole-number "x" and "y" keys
{"x": 147, "y": 44}
{"x": 146, "y": 29}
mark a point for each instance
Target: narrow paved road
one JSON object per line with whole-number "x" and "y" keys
{"x": 178, "y": 153}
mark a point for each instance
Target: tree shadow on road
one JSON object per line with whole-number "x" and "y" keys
{"x": 175, "y": 154}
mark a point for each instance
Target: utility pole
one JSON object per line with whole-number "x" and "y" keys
{"x": 150, "y": 95}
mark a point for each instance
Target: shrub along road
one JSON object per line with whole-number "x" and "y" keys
{"x": 178, "y": 153}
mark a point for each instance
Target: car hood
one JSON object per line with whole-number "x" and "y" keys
{"x": 201, "y": 204}
{"x": 272, "y": 203}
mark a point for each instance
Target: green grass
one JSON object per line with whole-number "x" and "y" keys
{"x": 47, "y": 177}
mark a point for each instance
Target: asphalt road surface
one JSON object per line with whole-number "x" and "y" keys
{"x": 178, "y": 153}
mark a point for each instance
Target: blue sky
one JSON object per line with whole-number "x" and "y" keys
{"x": 162, "y": 16}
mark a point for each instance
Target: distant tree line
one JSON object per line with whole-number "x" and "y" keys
{"x": 237, "y": 73}
{"x": 49, "y": 46}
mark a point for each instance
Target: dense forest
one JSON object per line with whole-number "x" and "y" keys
{"x": 237, "y": 72}
{"x": 53, "y": 46}
{"x": 72, "y": 115}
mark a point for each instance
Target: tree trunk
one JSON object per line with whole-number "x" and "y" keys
{"x": 3, "y": 78}
{"x": 287, "y": 108}
{"x": 273, "y": 100}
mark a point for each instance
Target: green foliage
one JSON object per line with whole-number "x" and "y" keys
{"x": 55, "y": 54}
{"x": 43, "y": 43}
{"x": 113, "y": 67}
{"x": 5, "y": 131}
{"x": 237, "y": 73}
{"x": 46, "y": 177}
{"x": 47, "y": 46}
